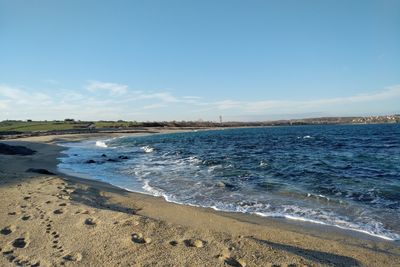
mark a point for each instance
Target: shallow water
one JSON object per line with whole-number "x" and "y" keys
{"x": 347, "y": 176}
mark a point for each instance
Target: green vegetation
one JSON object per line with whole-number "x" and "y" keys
{"x": 33, "y": 126}
{"x": 115, "y": 124}
{"x": 11, "y": 127}
{"x": 67, "y": 124}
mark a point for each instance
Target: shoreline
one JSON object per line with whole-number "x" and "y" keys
{"x": 350, "y": 248}
{"x": 287, "y": 219}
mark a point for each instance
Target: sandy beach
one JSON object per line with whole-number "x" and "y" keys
{"x": 59, "y": 220}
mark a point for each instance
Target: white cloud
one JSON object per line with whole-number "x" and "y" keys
{"x": 24, "y": 103}
{"x": 113, "y": 88}
{"x": 3, "y": 105}
{"x": 190, "y": 97}
{"x": 154, "y": 106}
{"x": 163, "y": 96}
{"x": 11, "y": 92}
{"x": 20, "y": 96}
{"x": 307, "y": 105}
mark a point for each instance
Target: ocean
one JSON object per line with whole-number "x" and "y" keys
{"x": 341, "y": 175}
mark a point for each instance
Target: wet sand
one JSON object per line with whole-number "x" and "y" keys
{"x": 59, "y": 220}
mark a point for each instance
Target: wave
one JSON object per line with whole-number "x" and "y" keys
{"x": 270, "y": 177}
{"x": 101, "y": 143}
{"x": 375, "y": 229}
{"x": 147, "y": 149}
{"x": 263, "y": 163}
{"x": 380, "y": 233}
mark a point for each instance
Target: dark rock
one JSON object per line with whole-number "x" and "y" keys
{"x": 112, "y": 160}
{"x": 40, "y": 171}
{"x": 103, "y": 155}
{"x": 90, "y": 161}
{"x": 123, "y": 157}
{"x": 224, "y": 185}
{"x": 15, "y": 150}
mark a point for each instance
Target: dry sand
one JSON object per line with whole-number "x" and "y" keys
{"x": 58, "y": 220}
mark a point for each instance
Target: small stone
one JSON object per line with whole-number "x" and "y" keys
{"x": 198, "y": 243}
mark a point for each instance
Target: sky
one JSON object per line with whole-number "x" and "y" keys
{"x": 154, "y": 60}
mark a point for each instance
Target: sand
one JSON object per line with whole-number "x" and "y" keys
{"x": 59, "y": 220}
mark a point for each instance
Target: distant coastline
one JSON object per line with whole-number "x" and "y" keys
{"x": 11, "y": 129}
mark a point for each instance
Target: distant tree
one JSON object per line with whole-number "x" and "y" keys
{"x": 69, "y": 120}
{"x": 29, "y": 120}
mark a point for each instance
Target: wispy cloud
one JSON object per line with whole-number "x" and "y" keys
{"x": 154, "y": 106}
{"x": 24, "y": 103}
{"x": 162, "y": 96}
{"x": 310, "y": 105}
{"x": 113, "y": 88}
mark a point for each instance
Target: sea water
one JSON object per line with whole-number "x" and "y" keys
{"x": 342, "y": 175}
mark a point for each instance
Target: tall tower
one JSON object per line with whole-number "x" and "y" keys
{"x": 220, "y": 119}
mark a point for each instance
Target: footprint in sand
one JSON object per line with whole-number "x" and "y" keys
{"x": 173, "y": 243}
{"x": 19, "y": 243}
{"x": 235, "y": 263}
{"x": 27, "y": 198}
{"x": 59, "y": 211}
{"x": 55, "y": 242}
{"x": 90, "y": 222}
{"x": 7, "y": 230}
{"x": 9, "y": 255}
{"x": 25, "y": 217}
{"x": 75, "y": 256}
{"x": 230, "y": 261}
{"x": 139, "y": 239}
{"x": 62, "y": 204}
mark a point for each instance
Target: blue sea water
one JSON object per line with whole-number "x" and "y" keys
{"x": 342, "y": 175}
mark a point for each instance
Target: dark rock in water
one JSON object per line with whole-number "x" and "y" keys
{"x": 90, "y": 161}
{"x": 220, "y": 184}
{"x": 40, "y": 171}
{"x": 15, "y": 150}
{"x": 224, "y": 185}
{"x": 112, "y": 160}
{"x": 103, "y": 155}
{"x": 211, "y": 162}
{"x": 123, "y": 157}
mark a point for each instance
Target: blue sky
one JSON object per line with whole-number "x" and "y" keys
{"x": 189, "y": 60}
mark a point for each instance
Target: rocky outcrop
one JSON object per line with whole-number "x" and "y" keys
{"x": 15, "y": 150}
{"x": 40, "y": 171}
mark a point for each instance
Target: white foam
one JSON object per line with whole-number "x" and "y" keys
{"x": 152, "y": 190}
{"x": 296, "y": 213}
{"x": 147, "y": 149}
{"x": 263, "y": 163}
{"x": 193, "y": 160}
{"x": 101, "y": 143}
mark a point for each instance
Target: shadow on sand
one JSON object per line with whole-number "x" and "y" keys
{"x": 96, "y": 198}
{"x": 318, "y": 257}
